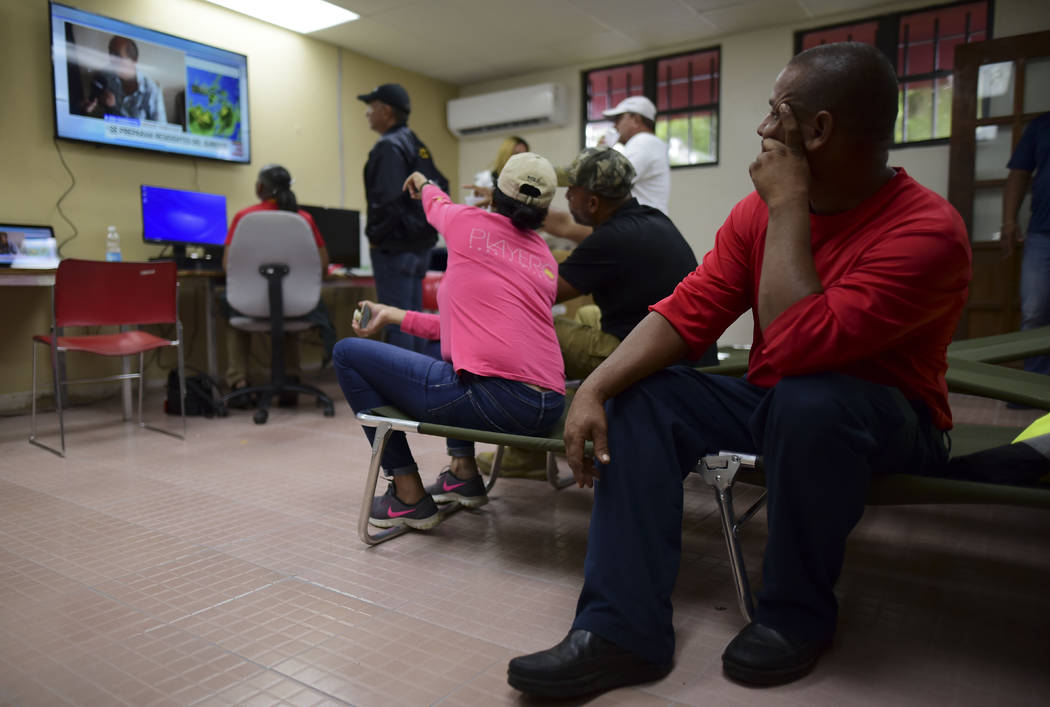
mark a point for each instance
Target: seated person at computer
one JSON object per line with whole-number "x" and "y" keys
{"x": 500, "y": 367}
{"x": 273, "y": 187}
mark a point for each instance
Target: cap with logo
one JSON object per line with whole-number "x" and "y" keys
{"x": 633, "y": 104}
{"x": 393, "y": 94}
{"x": 602, "y": 170}
{"x": 528, "y": 178}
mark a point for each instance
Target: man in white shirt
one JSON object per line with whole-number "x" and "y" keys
{"x": 634, "y": 121}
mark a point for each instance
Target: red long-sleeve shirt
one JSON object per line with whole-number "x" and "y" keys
{"x": 895, "y": 272}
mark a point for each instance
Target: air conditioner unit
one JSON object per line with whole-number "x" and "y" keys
{"x": 541, "y": 105}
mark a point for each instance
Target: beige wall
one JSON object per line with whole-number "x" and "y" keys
{"x": 299, "y": 88}
{"x": 702, "y": 196}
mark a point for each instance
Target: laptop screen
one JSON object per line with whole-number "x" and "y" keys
{"x": 27, "y": 247}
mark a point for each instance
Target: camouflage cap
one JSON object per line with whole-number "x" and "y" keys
{"x": 603, "y": 171}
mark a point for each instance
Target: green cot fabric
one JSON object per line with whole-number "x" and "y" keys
{"x": 551, "y": 443}
{"x": 900, "y": 489}
{"x": 999, "y": 382}
{"x": 1003, "y": 347}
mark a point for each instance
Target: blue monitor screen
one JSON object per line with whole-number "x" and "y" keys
{"x": 183, "y": 217}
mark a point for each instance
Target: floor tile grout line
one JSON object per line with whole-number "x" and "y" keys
{"x": 172, "y": 622}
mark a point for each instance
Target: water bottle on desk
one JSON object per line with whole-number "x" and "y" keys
{"x": 112, "y": 245}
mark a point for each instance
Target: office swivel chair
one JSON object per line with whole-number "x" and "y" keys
{"x": 273, "y": 280}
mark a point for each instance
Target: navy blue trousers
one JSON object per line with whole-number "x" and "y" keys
{"x": 822, "y": 437}
{"x": 399, "y": 283}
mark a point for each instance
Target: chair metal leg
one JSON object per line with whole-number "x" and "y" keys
{"x": 554, "y": 477}
{"x": 182, "y": 375}
{"x": 32, "y": 402}
{"x": 497, "y": 466}
{"x": 719, "y": 472}
{"x": 383, "y": 432}
{"x": 58, "y": 397}
{"x": 125, "y": 384}
{"x": 182, "y": 392}
{"x": 142, "y": 384}
{"x": 58, "y": 406}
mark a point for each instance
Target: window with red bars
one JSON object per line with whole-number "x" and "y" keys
{"x": 858, "y": 32}
{"x": 685, "y": 89}
{"x": 921, "y": 45}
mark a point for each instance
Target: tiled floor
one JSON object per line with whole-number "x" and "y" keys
{"x": 226, "y": 570}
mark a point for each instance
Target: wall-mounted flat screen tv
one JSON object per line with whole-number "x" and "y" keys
{"x": 119, "y": 84}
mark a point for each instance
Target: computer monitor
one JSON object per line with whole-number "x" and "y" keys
{"x": 341, "y": 231}
{"x": 24, "y": 246}
{"x": 180, "y": 218}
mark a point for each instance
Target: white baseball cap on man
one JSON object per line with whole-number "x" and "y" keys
{"x": 633, "y": 104}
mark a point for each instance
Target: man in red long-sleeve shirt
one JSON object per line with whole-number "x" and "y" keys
{"x": 856, "y": 276}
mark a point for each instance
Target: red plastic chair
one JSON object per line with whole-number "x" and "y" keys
{"x": 95, "y": 293}
{"x": 431, "y": 283}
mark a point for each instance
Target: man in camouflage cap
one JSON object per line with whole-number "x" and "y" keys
{"x": 602, "y": 171}
{"x": 634, "y": 258}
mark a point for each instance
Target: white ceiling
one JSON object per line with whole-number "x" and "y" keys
{"x": 463, "y": 41}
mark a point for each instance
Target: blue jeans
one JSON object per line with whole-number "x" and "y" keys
{"x": 373, "y": 374}
{"x": 399, "y": 283}
{"x": 1035, "y": 292}
{"x": 822, "y": 436}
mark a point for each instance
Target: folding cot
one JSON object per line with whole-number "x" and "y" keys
{"x": 971, "y": 370}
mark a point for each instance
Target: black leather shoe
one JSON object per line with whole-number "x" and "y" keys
{"x": 581, "y": 664}
{"x": 760, "y": 655}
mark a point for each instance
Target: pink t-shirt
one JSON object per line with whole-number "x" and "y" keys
{"x": 495, "y": 299}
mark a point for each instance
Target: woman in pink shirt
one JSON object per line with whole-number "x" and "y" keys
{"x": 500, "y": 368}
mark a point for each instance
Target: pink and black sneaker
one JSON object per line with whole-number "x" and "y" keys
{"x": 389, "y": 511}
{"x": 466, "y": 492}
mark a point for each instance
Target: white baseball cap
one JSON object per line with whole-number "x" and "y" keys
{"x": 633, "y": 104}
{"x": 528, "y": 178}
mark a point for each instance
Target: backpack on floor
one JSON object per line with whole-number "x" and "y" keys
{"x": 199, "y": 398}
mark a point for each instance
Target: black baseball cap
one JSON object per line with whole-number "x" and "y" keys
{"x": 393, "y": 94}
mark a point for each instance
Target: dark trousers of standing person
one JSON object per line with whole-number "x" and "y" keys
{"x": 1035, "y": 292}
{"x": 821, "y": 436}
{"x": 399, "y": 283}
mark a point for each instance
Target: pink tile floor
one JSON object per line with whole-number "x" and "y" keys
{"x": 226, "y": 570}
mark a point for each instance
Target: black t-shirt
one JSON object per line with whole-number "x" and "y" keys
{"x": 631, "y": 261}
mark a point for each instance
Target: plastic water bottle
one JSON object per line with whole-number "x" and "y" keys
{"x": 112, "y": 245}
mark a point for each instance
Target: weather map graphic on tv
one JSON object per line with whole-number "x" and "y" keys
{"x": 213, "y": 105}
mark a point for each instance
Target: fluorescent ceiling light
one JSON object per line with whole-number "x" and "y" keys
{"x": 303, "y": 16}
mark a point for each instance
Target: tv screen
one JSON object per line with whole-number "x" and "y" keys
{"x": 341, "y": 231}
{"x": 27, "y": 247}
{"x": 182, "y": 218}
{"x": 120, "y": 84}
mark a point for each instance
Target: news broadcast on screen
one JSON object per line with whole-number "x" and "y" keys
{"x": 120, "y": 84}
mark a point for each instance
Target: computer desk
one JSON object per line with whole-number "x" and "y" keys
{"x": 214, "y": 278}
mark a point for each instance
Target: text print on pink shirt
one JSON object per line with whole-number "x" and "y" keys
{"x": 481, "y": 240}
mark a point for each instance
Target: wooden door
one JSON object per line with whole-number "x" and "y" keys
{"x": 1000, "y": 85}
